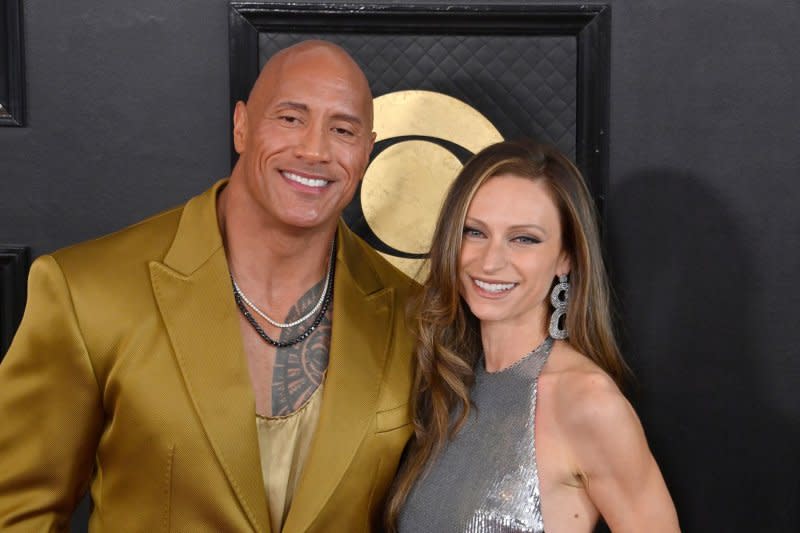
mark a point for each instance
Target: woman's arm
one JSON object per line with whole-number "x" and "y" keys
{"x": 620, "y": 474}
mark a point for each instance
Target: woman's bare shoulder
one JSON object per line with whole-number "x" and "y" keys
{"x": 606, "y": 447}
{"x": 587, "y": 399}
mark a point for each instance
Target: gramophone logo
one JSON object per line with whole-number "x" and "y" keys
{"x": 423, "y": 139}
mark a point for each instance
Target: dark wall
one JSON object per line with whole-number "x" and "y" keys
{"x": 705, "y": 245}
{"x": 127, "y": 110}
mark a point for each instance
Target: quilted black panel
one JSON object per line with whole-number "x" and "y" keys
{"x": 525, "y": 85}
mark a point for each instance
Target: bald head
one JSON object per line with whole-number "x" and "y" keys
{"x": 304, "y": 136}
{"x": 313, "y": 56}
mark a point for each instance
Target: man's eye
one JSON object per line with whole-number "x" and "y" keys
{"x": 289, "y": 119}
{"x": 344, "y": 131}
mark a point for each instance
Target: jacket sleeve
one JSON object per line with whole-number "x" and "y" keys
{"x": 50, "y": 410}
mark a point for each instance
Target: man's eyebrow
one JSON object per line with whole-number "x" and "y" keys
{"x": 292, "y": 105}
{"x": 348, "y": 117}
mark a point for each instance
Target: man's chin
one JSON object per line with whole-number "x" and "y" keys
{"x": 305, "y": 221}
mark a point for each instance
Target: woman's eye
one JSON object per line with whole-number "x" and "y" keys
{"x": 472, "y": 232}
{"x": 527, "y": 239}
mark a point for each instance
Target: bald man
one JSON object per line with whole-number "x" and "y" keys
{"x": 239, "y": 363}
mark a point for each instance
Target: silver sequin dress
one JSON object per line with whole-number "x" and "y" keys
{"x": 485, "y": 480}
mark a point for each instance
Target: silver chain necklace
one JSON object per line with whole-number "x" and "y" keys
{"x": 284, "y": 325}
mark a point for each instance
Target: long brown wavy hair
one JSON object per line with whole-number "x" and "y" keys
{"x": 449, "y": 341}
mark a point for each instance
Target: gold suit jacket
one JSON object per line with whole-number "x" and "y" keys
{"x": 128, "y": 375}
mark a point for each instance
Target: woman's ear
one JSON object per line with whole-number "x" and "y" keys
{"x": 564, "y": 264}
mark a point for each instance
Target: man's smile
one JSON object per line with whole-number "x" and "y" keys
{"x": 308, "y": 181}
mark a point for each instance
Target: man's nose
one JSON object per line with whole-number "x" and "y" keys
{"x": 314, "y": 144}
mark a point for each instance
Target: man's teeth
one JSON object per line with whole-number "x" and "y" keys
{"x": 308, "y": 182}
{"x": 494, "y": 287}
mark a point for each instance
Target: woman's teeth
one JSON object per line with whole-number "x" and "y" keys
{"x": 494, "y": 287}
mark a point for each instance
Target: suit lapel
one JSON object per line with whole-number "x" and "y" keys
{"x": 193, "y": 290}
{"x": 361, "y": 335}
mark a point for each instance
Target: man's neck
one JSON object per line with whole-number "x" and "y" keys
{"x": 277, "y": 262}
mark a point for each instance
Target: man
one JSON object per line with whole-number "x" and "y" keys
{"x": 240, "y": 363}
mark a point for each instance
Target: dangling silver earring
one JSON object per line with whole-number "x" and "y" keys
{"x": 559, "y": 303}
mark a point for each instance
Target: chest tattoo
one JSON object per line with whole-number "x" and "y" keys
{"x": 300, "y": 368}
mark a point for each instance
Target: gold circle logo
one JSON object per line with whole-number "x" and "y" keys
{"x": 423, "y": 138}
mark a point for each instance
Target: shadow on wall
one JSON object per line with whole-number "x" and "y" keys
{"x": 685, "y": 277}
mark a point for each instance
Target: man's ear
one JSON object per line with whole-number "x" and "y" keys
{"x": 369, "y": 147}
{"x": 240, "y": 127}
{"x": 372, "y": 138}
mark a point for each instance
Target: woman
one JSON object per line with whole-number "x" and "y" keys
{"x": 520, "y": 424}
